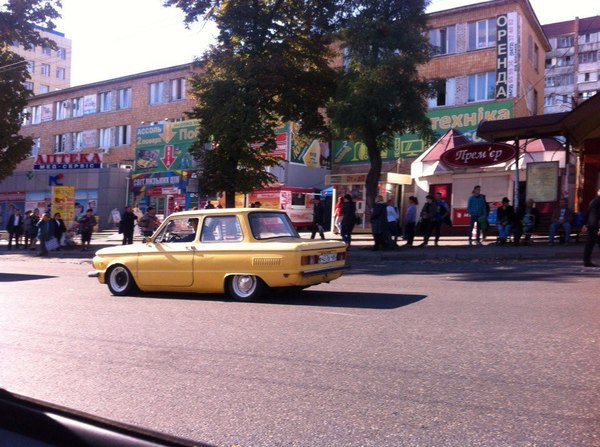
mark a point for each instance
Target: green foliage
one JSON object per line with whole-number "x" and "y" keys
{"x": 270, "y": 65}
{"x": 17, "y": 20}
{"x": 379, "y": 92}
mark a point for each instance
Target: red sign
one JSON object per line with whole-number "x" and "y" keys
{"x": 478, "y": 154}
{"x": 43, "y": 159}
{"x": 168, "y": 159}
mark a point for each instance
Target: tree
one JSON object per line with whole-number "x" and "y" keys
{"x": 17, "y": 20}
{"x": 270, "y": 65}
{"x": 379, "y": 92}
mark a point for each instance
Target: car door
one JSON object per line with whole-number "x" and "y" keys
{"x": 169, "y": 259}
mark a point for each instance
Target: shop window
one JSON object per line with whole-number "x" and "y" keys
{"x": 443, "y": 40}
{"x": 482, "y": 34}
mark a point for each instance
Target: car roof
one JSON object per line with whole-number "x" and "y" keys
{"x": 222, "y": 211}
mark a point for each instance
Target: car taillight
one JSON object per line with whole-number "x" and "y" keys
{"x": 341, "y": 256}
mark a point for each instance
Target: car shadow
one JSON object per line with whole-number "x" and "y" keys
{"x": 354, "y": 300}
{"x": 17, "y": 277}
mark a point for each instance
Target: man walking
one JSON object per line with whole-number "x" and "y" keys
{"x": 14, "y": 227}
{"x": 127, "y": 225}
{"x": 318, "y": 218}
{"x": 592, "y": 228}
{"x": 149, "y": 222}
{"x": 45, "y": 233}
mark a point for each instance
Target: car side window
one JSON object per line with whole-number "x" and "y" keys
{"x": 179, "y": 230}
{"x": 221, "y": 229}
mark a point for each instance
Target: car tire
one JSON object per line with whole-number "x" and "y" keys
{"x": 245, "y": 287}
{"x": 120, "y": 281}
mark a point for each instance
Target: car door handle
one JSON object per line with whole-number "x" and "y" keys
{"x": 191, "y": 248}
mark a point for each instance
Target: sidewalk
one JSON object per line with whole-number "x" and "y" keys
{"x": 449, "y": 249}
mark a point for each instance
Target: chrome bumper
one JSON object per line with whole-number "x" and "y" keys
{"x": 324, "y": 270}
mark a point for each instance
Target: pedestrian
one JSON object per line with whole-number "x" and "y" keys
{"x": 127, "y": 225}
{"x": 59, "y": 228}
{"x": 29, "y": 229}
{"x": 393, "y": 216}
{"x": 442, "y": 214}
{"x": 426, "y": 219}
{"x": 379, "y": 227}
{"x": 86, "y": 228}
{"x": 318, "y": 218}
{"x": 209, "y": 206}
{"x": 527, "y": 219}
{"x": 477, "y": 208}
{"x": 505, "y": 219}
{"x": 348, "y": 219}
{"x": 149, "y": 222}
{"x": 562, "y": 217}
{"x": 337, "y": 223}
{"x": 14, "y": 226}
{"x": 410, "y": 220}
{"x": 45, "y": 233}
{"x": 592, "y": 228}
{"x": 35, "y": 219}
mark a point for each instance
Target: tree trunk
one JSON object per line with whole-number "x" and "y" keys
{"x": 374, "y": 172}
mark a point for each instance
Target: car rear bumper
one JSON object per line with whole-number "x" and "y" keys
{"x": 322, "y": 271}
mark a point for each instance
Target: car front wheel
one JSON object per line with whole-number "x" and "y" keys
{"x": 119, "y": 281}
{"x": 245, "y": 287}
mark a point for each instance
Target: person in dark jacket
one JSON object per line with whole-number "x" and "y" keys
{"x": 45, "y": 233}
{"x": 127, "y": 225}
{"x": 379, "y": 225}
{"x": 318, "y": 218}
{"x": 348, "y": 216}
{"x": 527, "y": 219}
{"x": 426, "y": 219}
{"x": 592, "y": 228}
{"x": 14, "y": 226}
{"x": 59, "y": 228}
{"x": 505, "y": 220}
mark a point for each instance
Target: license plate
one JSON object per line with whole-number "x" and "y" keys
{"x": 329, "y": 257}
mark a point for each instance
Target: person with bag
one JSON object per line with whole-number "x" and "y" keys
{"x": 86, "y": 228}
{"x": 45, "y": 233}
{"x": 477, "y": 209}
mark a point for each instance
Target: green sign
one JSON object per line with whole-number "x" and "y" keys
{"x": 164, "y": 146}
{"x": 464, "y": 119}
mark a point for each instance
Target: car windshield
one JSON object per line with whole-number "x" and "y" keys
{"x": 267, "y": 225}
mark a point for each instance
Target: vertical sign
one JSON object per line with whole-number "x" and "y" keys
{"x": 507, "y": 50}
{"x": 63, "y": 202}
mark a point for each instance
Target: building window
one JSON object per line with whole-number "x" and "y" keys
{"x": 105, "y": 140}
{"x": 36, "y": 114}
{"x": 445, "y": 90}
{"x": 62, "y": 109}
{"x": 565, "y": 41}
{"x": 45, "y": 70}
{"x": 443, "y": 40}
{"x": 60, "y": 73}
{"x": 177, "y": 89}
{"x": 564, "y": 61}
{"x": 557, "y": 81}
{"x": 28, "y": 85}
{"x": 77, "y": 107}
{"x": 123, "y": 135}
{"x": 77, "y": 141}
{"x": 105, "y": 101}
{"x": 536, "y": 57}
{"x": 481, "y": 86}
{"x": 588, "y": 57}
{"x": 60, "y": 143}
{"x": 157, "y": 90}
{"x": 35, "y": 147}
{"x": 44, "y": 88}
{"x": 124, "y": 98}
{"x": 61, "y": 53}
{"x": 47, "y": 51}
{"x": 482, "y": 34}
{"x": 587, "y": 95}
{"x": 31, "y": 67}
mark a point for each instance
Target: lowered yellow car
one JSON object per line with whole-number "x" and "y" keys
{"x": 241, "y": 252}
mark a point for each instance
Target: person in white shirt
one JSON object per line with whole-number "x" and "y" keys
{"x": 393, "y": 216}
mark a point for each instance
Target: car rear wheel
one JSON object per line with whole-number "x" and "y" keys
{"x": 119, "y": 281}
{"x": 245, "y": 287}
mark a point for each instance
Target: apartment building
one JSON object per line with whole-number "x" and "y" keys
{"x": 49, "y": 69}
{"x": 573, "y": 64}
{"x": 490, "y": 58}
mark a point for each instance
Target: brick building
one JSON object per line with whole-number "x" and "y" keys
{"x": 49, "y": 69}
{"x": 491, "y": 57}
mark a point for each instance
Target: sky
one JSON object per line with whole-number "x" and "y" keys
{"x": 114, "y": 38}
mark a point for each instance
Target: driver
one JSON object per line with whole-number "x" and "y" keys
{"x": 192, "y": 236}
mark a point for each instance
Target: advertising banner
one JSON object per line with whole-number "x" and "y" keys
{"x": 63, "y": 202}
{"x": 465, "y": 119}
{"x": 163, "y": 147}
{"x": 308, "y": 151}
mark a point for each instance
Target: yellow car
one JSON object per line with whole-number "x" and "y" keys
{"x": 241, "y": 252}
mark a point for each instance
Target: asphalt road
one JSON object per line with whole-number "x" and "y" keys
{"x": 393, "y": 354}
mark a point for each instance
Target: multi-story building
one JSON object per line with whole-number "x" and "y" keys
{"x": 49, "y": 69}
{"x": 490, "y": 58}
{"x": 573, "y": 63}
